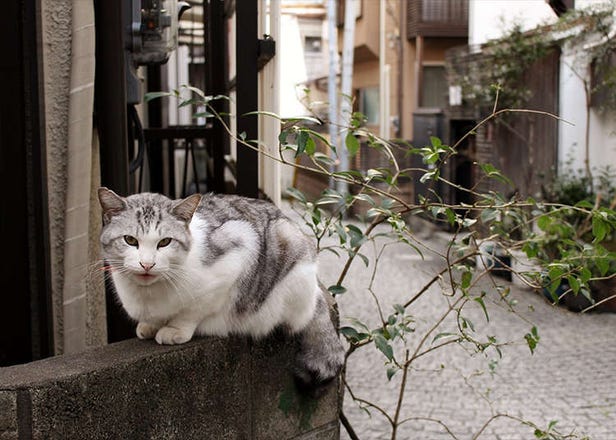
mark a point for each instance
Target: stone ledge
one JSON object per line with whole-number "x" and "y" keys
{"x": 210, "y": 388}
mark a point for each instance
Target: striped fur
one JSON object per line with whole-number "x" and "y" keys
{"x": 232, "y": 266}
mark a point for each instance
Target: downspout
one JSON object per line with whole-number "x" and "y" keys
{"x": 384, "y": 72}
{"x": 332, "y": 86}
{"x": 269, "y": 100}
{"x": 399, "y": 81}
{"x": 346, "y": 85}
{"x": 79, "y": 179}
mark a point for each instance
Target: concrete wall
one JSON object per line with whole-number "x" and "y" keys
{"x": 210, "y": 388}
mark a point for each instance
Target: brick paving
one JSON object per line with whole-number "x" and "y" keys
{"x": 571, "y": 378}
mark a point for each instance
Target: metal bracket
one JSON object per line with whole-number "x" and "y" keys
{"x": 265, "y": 51}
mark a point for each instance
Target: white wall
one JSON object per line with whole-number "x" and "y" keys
{"x": 572, "y": 109}
{"x": 572, "y": 135}
{"x": 293, "y": 71}
{"x": 490, "y": 19}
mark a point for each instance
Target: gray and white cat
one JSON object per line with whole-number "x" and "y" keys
{"x": 218, "y": 265}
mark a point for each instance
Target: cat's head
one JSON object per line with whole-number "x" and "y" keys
{"x": 146, "y": 236}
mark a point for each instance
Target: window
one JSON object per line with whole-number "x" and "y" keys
{"x": 368, "y": 104}
{"x": 434, "y": 87}
{"x": 312, "y": 43}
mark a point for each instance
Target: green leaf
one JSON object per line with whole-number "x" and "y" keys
{"x": 488, "y": 215}
{"x": 352, "y": 143}
{"x": 297, "y": 194}
{"x": 352, "y": 335}
{"x": 556, "y": 271}
{"x": 479, "y": 300}
{"x": 357, "y": 236}
{"x": 604, "y": 265}
{"x": 585, "y": 275}
{"x": 197, "y": 91}
{"x": 263, "y": 113}
{"x": 467, "y": 323}
{"x": 311, "y": 146}
{"x": 364, "y": 259}
{"x": 434, "y": 174}
{"x": 188, "y": 102}
{"x": 391, "y": 371}
{"x": 336, "y": 289}
{"x": 365, "y": 198}
{"x": 574, "y": 283}
{"x": 282, "y": 137}
{"x": 382, "y": 344}
{"x": 586, "y": 294}
{"x": 584, "y": 204}
{"x": 543, "y": 222}
{"x": 599, "y": 228}
{"x": 399, "y": 308}
{"x": 302, "y": 140}
{"x": 358, "y": 323}
{"x": 302, "y": 119}
{"x": 465, "y": 282}
{"x": 155, "y": 95}
{"x": 532, "y": 338}
{"x": 372, "y": 173}
{"x": 451, "y": 216}
{"x": 323, "y": 158}
{"x": 442, "y": 335}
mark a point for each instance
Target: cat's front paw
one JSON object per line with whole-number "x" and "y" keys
{"x": 172, "y": 336}
{"x": 146, "y": 331}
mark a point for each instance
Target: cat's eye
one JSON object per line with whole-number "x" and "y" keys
{"x": 164, "y": 242}
{"x": 131, "y": 241}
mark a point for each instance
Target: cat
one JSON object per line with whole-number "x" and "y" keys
{"x": 218, "y": 265}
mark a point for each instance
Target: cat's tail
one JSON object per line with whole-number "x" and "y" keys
{"x": 321, "y": 354}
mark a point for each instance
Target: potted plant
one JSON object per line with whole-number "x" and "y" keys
{"x": 575, "y": 241}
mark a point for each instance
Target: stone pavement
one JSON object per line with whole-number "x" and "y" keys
{"x": 571, "y": 378}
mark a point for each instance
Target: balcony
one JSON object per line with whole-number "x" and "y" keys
{"x": 437, "y": 18}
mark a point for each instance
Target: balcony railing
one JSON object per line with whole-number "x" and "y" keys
{"x": 437, "y": 18}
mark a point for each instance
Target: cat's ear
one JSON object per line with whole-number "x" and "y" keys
{"x": 111, "y": 203}
{"x": 185, "y": 208}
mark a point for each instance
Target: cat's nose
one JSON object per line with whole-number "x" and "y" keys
{"x": 147, "y": 266}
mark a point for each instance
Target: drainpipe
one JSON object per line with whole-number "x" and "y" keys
{"x": 384, "y": 71}
{"x": 347, "y": 82}
{"x": 79, "y": 168}
{"x": 332, "y": 88}
{"x": 399, "y": 81}
{"x": 269, "y": 100}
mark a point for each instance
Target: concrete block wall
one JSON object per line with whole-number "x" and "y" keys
{"x": 210, "y": 388}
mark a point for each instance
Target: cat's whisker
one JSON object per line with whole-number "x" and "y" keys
{"x": 181, "y": 285}
{"x": 174, "y": 285}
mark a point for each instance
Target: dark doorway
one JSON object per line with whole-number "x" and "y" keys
{"x": 462, "y": 162}
{"x": 25, "y": 323}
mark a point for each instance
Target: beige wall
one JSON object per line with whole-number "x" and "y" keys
{"x": 367, "y": 32}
